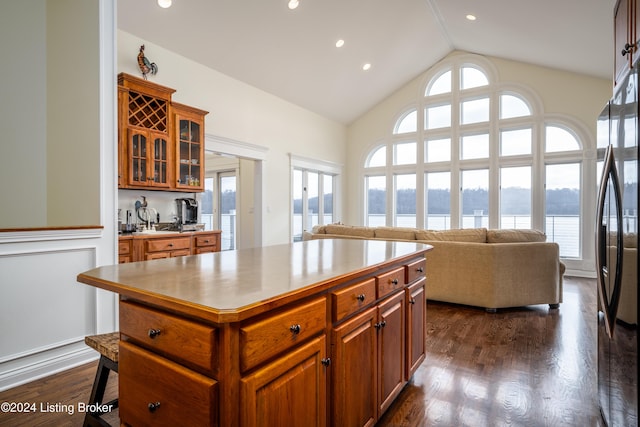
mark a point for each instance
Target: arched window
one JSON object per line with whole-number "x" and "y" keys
{"x": 475, "y": 159}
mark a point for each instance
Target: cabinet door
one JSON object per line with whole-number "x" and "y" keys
{"x": 354, "y": 371}
{"x": 416, "y": 326}
{"x": 624, "y": 35}
{"x": 189, "y": 152}
{"x": 148, "y": 159}
{"x": 290, "y": 391}
{"x": 391, "y": 347}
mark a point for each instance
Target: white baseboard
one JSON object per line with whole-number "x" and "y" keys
{"x": 28, "y": 368}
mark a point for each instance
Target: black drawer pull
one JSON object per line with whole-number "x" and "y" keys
{"x": 153, "y": 406}
{"x": 154, "y": 333}
{"x": 394, "y": 282}
{"x": 326, "y": 361}
{"x": 361, "y": 297}
{"x": 295, "y": 329}
{"x": 420, "y": 270}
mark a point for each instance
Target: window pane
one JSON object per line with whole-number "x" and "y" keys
{"x": 408, "y": 123}
{"x": 475, "y": 198}
{"x": 437, "y": 117}
{"x": 562, "y": 223}
{"x": 515, "y": 197}
{"x": 404, "y": 153}
{"x": 441, "y": 85}
{"x": 378, "y": 158}
{"x": 515, "y": 142}
{"x": 437, "y": 150}
{"x": 475, "y": 146}
{"x": 312, "y": 199}
{"x": 405, "y": 200}
{"x": 513, "y": 106}
{"x": 438, "y": 209}
{"x": 475, "y": 111}
{"x": 227, "y": 184}
{"x": 376, "y": 200}
{"x": 472, "y": 77}
{"x": 559, "y": 139}
{"x": 297, "y": 205}
{"x": 327, "y": 190}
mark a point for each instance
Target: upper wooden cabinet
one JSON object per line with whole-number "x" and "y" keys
{"x": 152, "y": 153}
{"x": 189, "y": 126}
{"x": 625, "y": 38}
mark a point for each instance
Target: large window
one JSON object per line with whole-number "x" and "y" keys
{"x": 478, "y": 153}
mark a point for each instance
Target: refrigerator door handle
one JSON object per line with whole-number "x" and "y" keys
{"x": 609, "y": 303}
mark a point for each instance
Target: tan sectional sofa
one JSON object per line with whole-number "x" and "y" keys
{"x": 478, "y": 267}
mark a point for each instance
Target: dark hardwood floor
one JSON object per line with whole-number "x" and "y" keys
{"x": 529, "y": 366}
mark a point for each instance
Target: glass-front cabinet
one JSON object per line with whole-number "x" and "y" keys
{"x": 189, "y": 124}
{"x": 148, "y": 159}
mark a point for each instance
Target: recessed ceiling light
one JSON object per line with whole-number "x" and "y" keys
{"x": 293, "y": 4}
{"x": 366, "y": 67}
{"x": 471, "y": 17}
{"x": 340, "y": 43}
{"x": 164, "y": 3}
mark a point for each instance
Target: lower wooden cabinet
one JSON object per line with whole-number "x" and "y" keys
{"x": 156, "y": 391}
{"x": 416, "y": 325}
{"x": 291, "y": 391}
{"x": 337, "y": 357}
{"x": 158, "y": 246}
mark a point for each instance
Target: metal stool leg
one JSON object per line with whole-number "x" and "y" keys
{"x": 97, "y": 392}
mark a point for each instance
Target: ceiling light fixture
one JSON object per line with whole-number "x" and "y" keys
{"x": 293, "y": 4}
{"x": 366, "y": 67}
{"x": 340, "y": 43}
{"x": 164, "y": 3}
{"x": 471, "y": 17}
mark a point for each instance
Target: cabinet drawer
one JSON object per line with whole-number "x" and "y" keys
{"x": 156, "y": 245}
{"x": 390, "y": 281}
{"x": 180, "y": 396}
{"x": 188, "y": 342}
{"x": 352, "y": 298}
{"x": 266, "y": 338}
{"x": 207, "y": 240}
{"x": 124, "y": 247}
{"x": 415, "y": 270}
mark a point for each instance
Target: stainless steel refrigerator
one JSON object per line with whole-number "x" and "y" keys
{"x": 616, "y": 237}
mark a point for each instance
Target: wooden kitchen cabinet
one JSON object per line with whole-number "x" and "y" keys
{"x": 626, "y": 37}
{"x": 125, "y": 250}
{"x": 143, "y": 247}
{"x": 204, "y": 242}
{"x": 416, "y": 325}
{"x": 159, "y": 142}
{"x": 291, "y": 391}
{"x": 189, "y": 131}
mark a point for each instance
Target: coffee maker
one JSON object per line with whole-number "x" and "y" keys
{"x": 187, "y": 212}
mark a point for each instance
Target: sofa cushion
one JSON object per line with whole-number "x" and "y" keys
{"x": 515, "y": 236}
{"x": 474, "y": 235}
{"x": 319, "y": 229}
{"x": 349, "y": 230}
{"x": 396, "y": 233}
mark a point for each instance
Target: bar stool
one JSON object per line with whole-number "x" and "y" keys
{"x": 107, "y": 346}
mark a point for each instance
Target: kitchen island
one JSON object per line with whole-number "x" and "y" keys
{"x": 322, "y": 332}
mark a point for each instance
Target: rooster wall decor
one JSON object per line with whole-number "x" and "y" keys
{"x": 145, "y": 65}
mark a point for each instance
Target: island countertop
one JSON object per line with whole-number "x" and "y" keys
{"x": 231, "y": 286}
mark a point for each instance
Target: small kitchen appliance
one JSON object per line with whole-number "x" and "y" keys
{"x": 187, "y": 212}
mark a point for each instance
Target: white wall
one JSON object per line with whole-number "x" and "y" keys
{"x": 243, "y": 113}
{"x": 23, "y": 121}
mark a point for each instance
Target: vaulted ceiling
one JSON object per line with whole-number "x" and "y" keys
{"x": 292, "y": 53}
